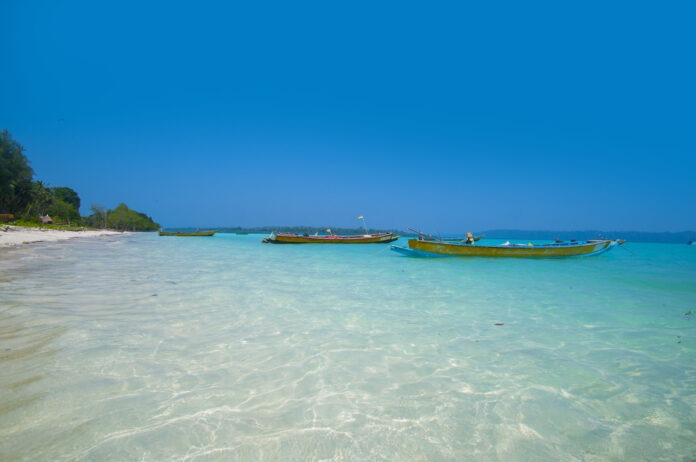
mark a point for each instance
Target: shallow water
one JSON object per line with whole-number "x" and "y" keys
{"x": 149, "y": 348}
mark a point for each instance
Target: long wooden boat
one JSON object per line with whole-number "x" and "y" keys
{"x": 287, "y": 238}
{"x": 191, "y": 234}
{"x": 552, "y": 250}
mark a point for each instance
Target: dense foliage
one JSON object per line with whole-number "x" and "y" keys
{"x": 122, "y": 218}
{"x": 15, "y": 176}
{"x": 67, "y": 195}
{"x": 29, "y": 200}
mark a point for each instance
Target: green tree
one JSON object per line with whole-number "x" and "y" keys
{"x": 65, "y": 205}
{"x": 60, "y": 210}
{"x": 67, "y": 195}
{"x": 40, "y": 200}
{"x": 15, "y": 176}
{"x": 98, "y": 217}
{"x": 123, "y": 218}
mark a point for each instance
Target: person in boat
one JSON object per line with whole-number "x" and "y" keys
{"x": 469, "y": 238}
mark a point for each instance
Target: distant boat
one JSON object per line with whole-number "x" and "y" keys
{"x": 556, "y": 249}
{"x": 192, "y": 234}
{"x": 287, "y": 238}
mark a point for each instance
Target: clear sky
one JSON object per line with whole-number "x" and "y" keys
{"x": 443, "y": 116}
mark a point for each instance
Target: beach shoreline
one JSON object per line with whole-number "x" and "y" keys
{"x": 14, "y": 236}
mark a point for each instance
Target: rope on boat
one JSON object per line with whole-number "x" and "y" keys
{"x": 622, "y": 247}
{"x": 386, "y": 247}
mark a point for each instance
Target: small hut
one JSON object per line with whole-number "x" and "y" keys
{"x": 46, "y": 220}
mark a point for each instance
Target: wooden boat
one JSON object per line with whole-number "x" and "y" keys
{"x": 552, "y": 250}
{"x": 287, "y": 238}
{"x": 191, "y": 234}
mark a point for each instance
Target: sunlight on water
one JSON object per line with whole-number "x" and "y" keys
{"x": 149, "y": 348}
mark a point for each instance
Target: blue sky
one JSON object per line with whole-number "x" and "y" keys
{"x": 447, "y": 116}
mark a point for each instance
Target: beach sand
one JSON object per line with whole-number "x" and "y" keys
{"x": 12, "y": 236}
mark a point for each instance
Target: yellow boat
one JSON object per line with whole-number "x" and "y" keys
{"x": 556, "y": 249}
{"x": 196, "y": 233}
{"x": 287, "y": 238}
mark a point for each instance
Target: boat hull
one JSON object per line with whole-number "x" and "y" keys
{"x": 414, "y": 253}
{"x": 381, "y": 238}
{"x": 197, "y": 234}
{"x": 583, "y": 248}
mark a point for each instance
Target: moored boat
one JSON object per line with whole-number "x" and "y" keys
{"x": 551, "y": 250}
{"x": 187, "y": 234}
{"x": 288, "y": 238}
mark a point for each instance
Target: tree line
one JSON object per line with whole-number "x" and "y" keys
{"x": 28, "y": 200}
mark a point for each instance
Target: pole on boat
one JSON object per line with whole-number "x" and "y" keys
{"x": 360, "y": 217}
{"x": 422, "y": 234}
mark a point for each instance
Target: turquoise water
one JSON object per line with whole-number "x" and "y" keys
{"x": 148, "y": 348}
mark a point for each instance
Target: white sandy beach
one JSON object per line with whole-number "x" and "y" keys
{"x": 11, "y": 236}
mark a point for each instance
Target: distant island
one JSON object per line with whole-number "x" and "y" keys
{"x": 299, "y": 230}
{"x": 631, "y": 236}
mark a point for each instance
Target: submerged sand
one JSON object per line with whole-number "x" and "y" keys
{"x": 12, "y": 236}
